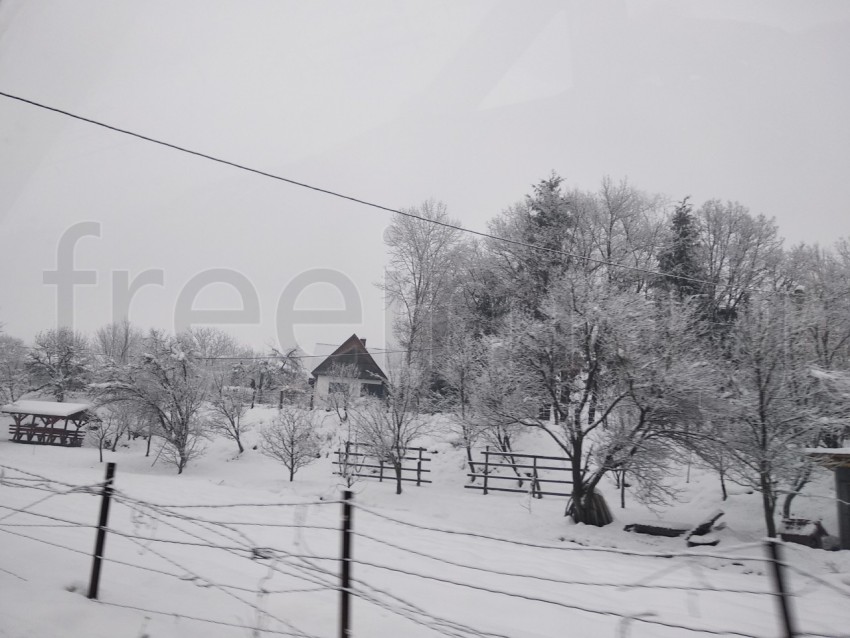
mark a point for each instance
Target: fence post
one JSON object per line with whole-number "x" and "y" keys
{"x": 345, "y": 575}
{"x": 486, "y": 466}
{"x": 419, "y": 469}
{"x": 535, "y": 484}
{"x": 94, "y": 581}
{"x": 782, "y": 594}
{"x": 381, "y": 475}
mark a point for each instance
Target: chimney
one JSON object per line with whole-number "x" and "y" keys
{"x": 363, "y": 341}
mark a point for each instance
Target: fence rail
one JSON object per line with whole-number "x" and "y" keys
{"x": 355, "y": 457}
{"x": 508, "y": 460}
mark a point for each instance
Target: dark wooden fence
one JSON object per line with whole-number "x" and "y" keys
{"x": 365, "y": 462}
{"x": 531, "y": 472}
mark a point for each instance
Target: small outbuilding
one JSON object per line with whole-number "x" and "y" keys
{"x": 349, "y": 369}
{"x": 48, "y": 422}
{"x": 838, "y": 460}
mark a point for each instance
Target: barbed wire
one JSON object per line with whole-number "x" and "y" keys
{"x": 174, "y": 506}
{"x": 68, "y": 522}
{"x": 578, "y": 548}
{"x": 560, "y": 581}
{"x": 179, "y": 615}
{"x": 303, "y": 565}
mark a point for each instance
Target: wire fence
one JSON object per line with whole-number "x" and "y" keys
{"x": 256, "y": 556}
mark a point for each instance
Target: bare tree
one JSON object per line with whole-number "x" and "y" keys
{"x": 104, "y": 430}
{"x": 737, "y": 252}
{"x": 420, "y": 274}
{"x": 290, "y": 439}
{"x": 14, "y": 381}
{"x": 343, "y": 388}
{"x": 117, "y": 343}
{"x": 59, "y": 361}
{"x": 390, "y": 426}
{"x": 228, "y": 405}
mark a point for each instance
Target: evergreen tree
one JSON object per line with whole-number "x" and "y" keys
{"x": 679, "y": 261}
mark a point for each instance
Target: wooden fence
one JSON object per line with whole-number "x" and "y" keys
{"x": 526, "y": 468}
{"x": 366, "y": 463}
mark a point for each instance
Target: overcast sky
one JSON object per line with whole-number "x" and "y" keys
{"x": 393, "y": 102}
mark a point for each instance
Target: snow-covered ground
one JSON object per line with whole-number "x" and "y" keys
{"x": 170, "y": 568}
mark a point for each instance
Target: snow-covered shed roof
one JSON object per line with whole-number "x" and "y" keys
{"x": 831, "y": 458}
{"x": 45, "y": 408}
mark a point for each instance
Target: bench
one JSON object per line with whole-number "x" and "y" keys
{"x": 671, "y": 529}
{"x": 39, "y": 435}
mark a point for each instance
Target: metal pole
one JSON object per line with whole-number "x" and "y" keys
{"x": 94, "y": 581}
{"x": 782, "y": 594}
{"x": 345, "y": 576}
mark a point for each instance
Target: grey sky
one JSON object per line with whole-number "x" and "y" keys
{"x": 395, "y": 102}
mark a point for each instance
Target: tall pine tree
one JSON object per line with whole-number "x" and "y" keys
{"x": 679, "y": 260}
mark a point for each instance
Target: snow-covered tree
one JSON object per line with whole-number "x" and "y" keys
{"x": 598, "y": 352}
{"x": 679, "y": 259}
{"x": 167, "y": 385}
{"x": 777, "y": 402}
{"x": 14, "y": 380}
{"x": 60, "y": 362}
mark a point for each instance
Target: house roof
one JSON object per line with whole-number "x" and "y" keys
{"x": 45, "y": 408}
{"x": 351, "y": 352}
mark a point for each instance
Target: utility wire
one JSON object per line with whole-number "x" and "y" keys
{"x": 395, "y": 211}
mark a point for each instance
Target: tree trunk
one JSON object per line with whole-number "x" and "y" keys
{"x": 397, "y": 468}
{"x": 471, "y": 464}
{"x": 292, "y": 472}
{"x": 769, "y": 504}
{"x": 623, "y": 491}
{"x": 590, "y": 508}
{"x": 150, "y": 438}
{"x": 239, "y": 443}
{"x": 100, "y": 450}
{"x": 799, "y": 484}
{"x": 723, "y": 484}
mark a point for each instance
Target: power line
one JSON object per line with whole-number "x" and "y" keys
{"x": 325, "y": 191}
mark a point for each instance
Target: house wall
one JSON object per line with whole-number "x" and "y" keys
{"x": 321, "y": 390}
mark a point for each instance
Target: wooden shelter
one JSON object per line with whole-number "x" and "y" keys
{"x": 46, "y": 422}
{"x": 838, "y": 460}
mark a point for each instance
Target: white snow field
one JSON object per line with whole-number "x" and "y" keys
{"x": 231, "y": 548}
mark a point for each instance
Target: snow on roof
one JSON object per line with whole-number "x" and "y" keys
{"x": 45, "y": 408}
{"x": 834, "y": 451}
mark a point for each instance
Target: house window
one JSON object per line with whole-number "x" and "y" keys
{"x": 372, "y": 390}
